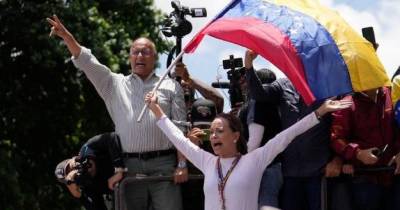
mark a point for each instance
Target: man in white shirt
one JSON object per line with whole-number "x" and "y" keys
{"x": 146, "y": 150}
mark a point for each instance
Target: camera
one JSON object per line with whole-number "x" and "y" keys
{"x": 235, "y": 73}
{"x": 206, "y": 136}
{"x": 176, "y": 24}
{"x": 232, "y": 63}
{"x": 82, "y": 176}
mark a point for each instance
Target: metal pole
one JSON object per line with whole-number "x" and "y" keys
{"x": 159, "y": 83}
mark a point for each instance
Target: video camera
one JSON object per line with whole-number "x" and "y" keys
{"x": 82, "y": 176}
{"x": 235, "y": 72}
{"x": 176, "y": 24}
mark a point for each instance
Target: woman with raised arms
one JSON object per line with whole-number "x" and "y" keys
{"x": 232, "y": 176}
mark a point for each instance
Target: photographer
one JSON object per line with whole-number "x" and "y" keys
{"x": 307, "y": 160}
{"x": 190, "y": 84}
{"x": 94, "y": 171}
{"x": 261, "y": 122}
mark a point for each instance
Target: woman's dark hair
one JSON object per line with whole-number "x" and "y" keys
{"x": 236, "y": 126}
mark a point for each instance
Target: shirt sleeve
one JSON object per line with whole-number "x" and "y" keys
{"x": 267, "y": 153}
{"x": 192, "y": 152}
{"x": 99, "y": 75}
{"x": 340, "y": 134}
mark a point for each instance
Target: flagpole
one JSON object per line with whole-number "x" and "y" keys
{"x": 139, "y": 119}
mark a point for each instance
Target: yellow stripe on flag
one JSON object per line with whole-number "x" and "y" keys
{"x": 365, "y": 69}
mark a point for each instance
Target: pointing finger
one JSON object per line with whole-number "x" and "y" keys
{"x": 56, "y": 19}
{"x": 52, "y": 22}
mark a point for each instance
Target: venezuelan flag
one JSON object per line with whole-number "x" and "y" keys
{"x": 315, "y": 48}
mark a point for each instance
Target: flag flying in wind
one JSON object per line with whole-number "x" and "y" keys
{"x": 316, "y": 49}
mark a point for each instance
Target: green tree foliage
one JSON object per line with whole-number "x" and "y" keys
{"x": 47, "y": 107}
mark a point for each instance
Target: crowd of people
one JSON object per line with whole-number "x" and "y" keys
{"x": 271, "y": 152}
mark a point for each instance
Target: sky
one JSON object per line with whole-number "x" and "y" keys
{"x": 206, "y": 62}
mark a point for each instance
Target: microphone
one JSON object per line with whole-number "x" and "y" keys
{"x": 223, "y": 85}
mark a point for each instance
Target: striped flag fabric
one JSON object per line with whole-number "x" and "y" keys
{"x": 311, "y": 44}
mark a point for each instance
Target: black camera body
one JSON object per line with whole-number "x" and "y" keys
{"x": 82, "y": 176}
{"x": 176, "y": 24}
{"x": 234, "y": 74}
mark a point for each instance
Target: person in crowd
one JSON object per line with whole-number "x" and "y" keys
{"x": 203, "y": 111}
{"x": 89, "y": 175}
{"x": 308, "y": 159}
{"x": 366, "y": 137}
{"x": 232, "y": 177}
{"x": 261, "y": 122}
{"x": 260, "y": 119}
{"x": 144, "y": 146}
{"x": 190, "y": 85}
{"x": 200, "y": 112}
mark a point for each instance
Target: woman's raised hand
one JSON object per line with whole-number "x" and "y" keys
{"x": 151, "y": 100}
{"x": 333, "y": 105}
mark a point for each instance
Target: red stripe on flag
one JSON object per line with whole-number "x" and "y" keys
{"x": 263, "y": 38}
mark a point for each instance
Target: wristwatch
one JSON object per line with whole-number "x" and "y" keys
{"x": 119, "y": 169}
{"x": 182, "y": 164}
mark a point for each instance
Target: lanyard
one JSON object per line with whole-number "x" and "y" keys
{"x": 222, "y": 180}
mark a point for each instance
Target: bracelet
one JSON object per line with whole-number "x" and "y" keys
{"x": 319, "y": 117}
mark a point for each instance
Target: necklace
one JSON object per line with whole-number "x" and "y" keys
{"x": 222, "y": 180}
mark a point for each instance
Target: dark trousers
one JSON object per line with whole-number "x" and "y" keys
{"x": 159, "y": 195}
{"x": 270, "y": 187}
{"x": 302, "y": 193}
{"x": 339, "y": 193}
{"x": 372, "y": 196}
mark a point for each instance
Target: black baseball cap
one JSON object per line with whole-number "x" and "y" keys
{"x": 203, "y": 112}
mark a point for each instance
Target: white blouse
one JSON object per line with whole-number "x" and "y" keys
{"x": 241, "y": 189}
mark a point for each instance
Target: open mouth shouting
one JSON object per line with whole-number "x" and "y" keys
{"x": 217, "y": 144}
{"x": 140, "y": 65}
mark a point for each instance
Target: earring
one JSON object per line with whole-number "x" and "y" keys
{"x": 235, "y": 141}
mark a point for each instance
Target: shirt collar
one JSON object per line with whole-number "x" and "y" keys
{"x": 152, "y": 74}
